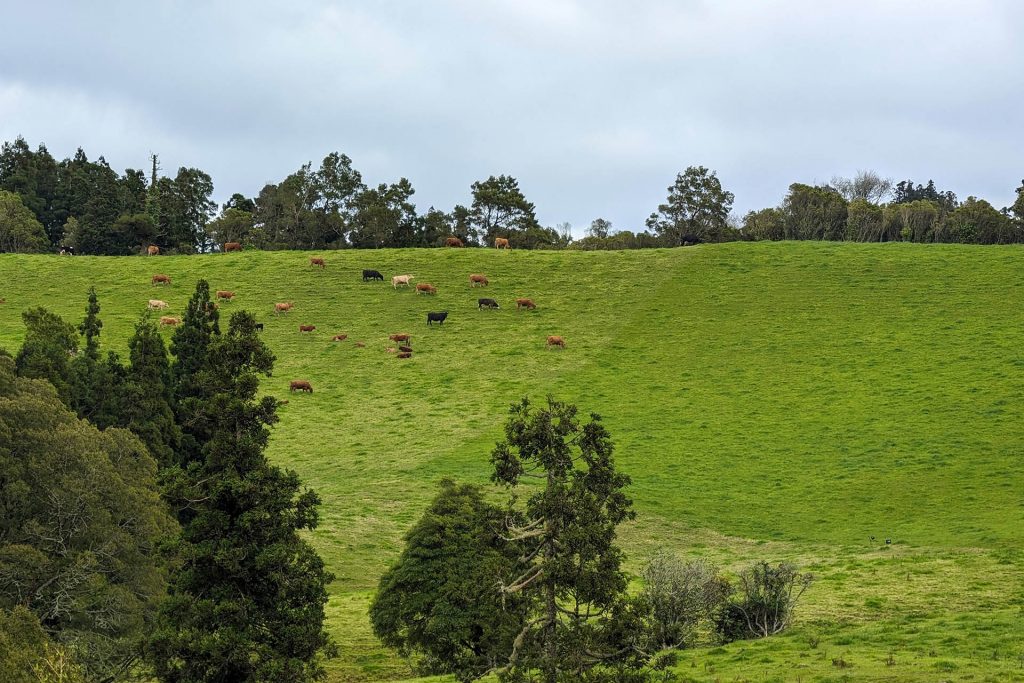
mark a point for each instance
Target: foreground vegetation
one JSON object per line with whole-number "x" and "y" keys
{"x": 799, "y": 402}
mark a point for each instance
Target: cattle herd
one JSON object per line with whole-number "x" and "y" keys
{"x": 403, "y": 341}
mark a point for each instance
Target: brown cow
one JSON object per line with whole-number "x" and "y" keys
{"x": 554, "y": 340}
{"x": 301, "y": 385}
{"x": 477, "y": 279}
{"x": 307, "y": 328}
{"x": 339, "y": 337}
{"x": 152, "y": 250}
{"x": 283, "y": 307}
{"x": 224, "y": 294}
{"x": 232, "y": 246}
{"x": 156, "y": 303}
{"x": 501, "y": 243}
{"x": 405, "y": 349}
{"x": 161, "y": 280}
{"x": 453, "y": 242}
{"x": 405, "y": 354}
{"x": 169, "y": 320}
{"x": 400, "y": 337}
{"x": 525, "y": 303}
{"x": 426, "y": 287}
{"x": 317, "y": 262}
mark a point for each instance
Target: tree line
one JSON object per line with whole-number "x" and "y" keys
{"x": 88, "y": 207}
{"x": 142, "y": 531}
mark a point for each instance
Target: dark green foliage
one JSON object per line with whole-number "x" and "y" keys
{"x": 384, "y": 217}
{"x": 232, "y": 225}
{"x": 569, "y": 568}
{"x": 147, "y": 394}
{"x": 96, "y": 390}
{"x": 905, "y": 192}
{"x": 47, "y": 350}
{"x": 978, "y": 222}
{"x": 19, "y": 229}
{"x": 813, "y": 213}
{"x": 500, "y": 209}
{"x": 766, "y": 224}
{"x": 185, "y": 209}
{"x": 247, "y": 602}
{"x": 438, "y": 600}
{"x": 916, "y": 221}
{"x": 766, "y": 600}
{"x": 865, "y": 223}
{"x": 696, "y": 206}
{"x": 80, "y": 523}
{"x": 190, "y": 346}
{"x": 27, "y": 655}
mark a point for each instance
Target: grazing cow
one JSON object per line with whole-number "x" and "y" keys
{"x": 161, "y": 280}
{"x": 477, "y": 279}
{"x": 688, "y": 240}
{"x": 152, "y": 250}
{"x": 501, "y": 243}
{"x": 486, "y": 303}
{"x": 525, "y": 303}
{"x": 360, "y": 345}
{"x": 401, "y": 280}
{"x": 405, "y": 349}
{"x": 372, "y": 275}
{"x": 232, "y": 246}
{"x": 317, "y": 262}
{"x": 283, "y": 307}
{"x": 339, "y": 337}
{"x": 67, "y": 251}
{"x": 169, "y": 320}
{"x": 438, "y": 318}
{"x": 301, "y": 385}
{"x": 405, "y": 354}
{"x": 307, "y": 328}
{"x": 554, "y": 340}
{"x": 259, "y": 326}
{"x": 390, "y": 349}
{"x": 453, "y": 242}
{"x": 426, "y": 287}
{"x": 400, "y": 337}
{"x": 224, "y": 294}
{"x": 156, "y": 303}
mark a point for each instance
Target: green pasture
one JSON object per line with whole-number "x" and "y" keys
{"x": 769, "y": 400}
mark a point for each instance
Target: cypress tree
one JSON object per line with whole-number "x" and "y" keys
{"x": 247, "y": 601}
{"x": 96, "y": 391}
{"x": 190, "y": 345}
{"x": 148, "y": 393}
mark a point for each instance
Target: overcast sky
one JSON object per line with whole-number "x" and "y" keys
{"x": 593, "y": 105}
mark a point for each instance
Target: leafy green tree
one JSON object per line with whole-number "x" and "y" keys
{"x": 384, "y": 217}
{"x": 435, "y": 227}
{"x": 569, "y": 569}
{"x": 148, "y": 394}
{"x": 697, "y": 206}
{"x": 865, "y": 223}
{"x": 247, "y": 602}
{"x": 34, "y": 177}
{"x": 462, "y": 226}
{"x": 185, "y": 209}
{"x": 500, "y": 209}
{"x": 905, "y": 191}
{"x": 190, "y": 346}
{"x": 437, "y": 601}
{"x": 240, "y": 202}
{"x": 232, "y": 225}
{"x": 19, "y": 229}
{"x": 49, "y": 344}
{"x": 978, "y": 222}
{"x": 27, "y": 655}
{"x": 813, "y": 213}
{"x": 81, "y": 521}
{"x": 766, "y": 224}
{"x": 96, "y": 386}
{"x": 917, "y": 221}
{"x": 600, "y": 228}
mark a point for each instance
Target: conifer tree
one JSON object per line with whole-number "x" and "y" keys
{"x": 190, "y": 346}
{"x": 148, "y": 410}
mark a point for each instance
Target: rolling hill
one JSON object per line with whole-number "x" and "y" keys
{"x": 769, "y": 400}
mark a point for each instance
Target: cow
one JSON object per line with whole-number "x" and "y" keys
{"x": 67, "y": 251}
{"x": 405, "y": 349}
{"x": 477, "y": 279}
{"x": 160, "y": 280}
{"x": 689, "y": 240}
{"x": 426, "y": 288}
{"x": 486, "y": 303}
{"x": 401, "y": 280}
{"x": 169, "y": 320}
{"x": 232, "y": 246}
{"x": 224, "y": 294}
{"x": 501, "y": 243}
{"x": 372, "y": 275}
{"x": 156, "y": 303}
{"x": 554, "y": 340}
{"x": 259, "y": 327}
{"x": 525, "y": 303}
{"x": 360, "y": 345}
{"x": 438, "y": 318}
{"x": 404, "y": 354}
{"x": 307, "y": 328}
{"x": 390, "y": 349}
{"x": 339, "y": 337}
{"x": 300, "y": 385}
{"x": 400, "y": 337}
{"x": 453, "y": 242}
{"x": 152, "y": 250}
{"x": 317, "y": 262}
{"x": 283, "y": 307}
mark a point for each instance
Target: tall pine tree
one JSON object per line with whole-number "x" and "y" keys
{"x": 148, "y": 393}
{"x": 190, "y": 346}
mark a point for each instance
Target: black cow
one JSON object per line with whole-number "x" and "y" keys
{"x": 687, "y": 240}
{"x": 372, "y": 275}
{"x": 259, "y": 326}
{"x": 67, "y": 251}
{"x": 436, "y": 317}
{"x": 486, "y": 303}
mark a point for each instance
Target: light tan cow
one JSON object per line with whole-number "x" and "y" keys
{"x": 283, "y": 307}
{"x": 152, "y": 250}
{"x": 401, "y": 280}
{"x": 156, "y": 303}
{"x": 501, "y": 243}
{"x": 554, "y": 340}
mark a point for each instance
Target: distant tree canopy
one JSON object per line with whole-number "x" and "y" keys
{"x": 46, "y": 204}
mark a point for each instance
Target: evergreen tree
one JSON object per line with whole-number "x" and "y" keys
{"x": 148, "y": 396}
{"x": 95, "y": 394}
{"x": 247, "y": 602}
{"x": 190, "y": 346}
{"x": 49, "y": 344}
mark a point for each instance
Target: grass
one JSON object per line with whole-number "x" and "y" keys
{"x": 777, "y": 401}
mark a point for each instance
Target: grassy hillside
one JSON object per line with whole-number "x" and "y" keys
{"x": 777, "y": 401}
